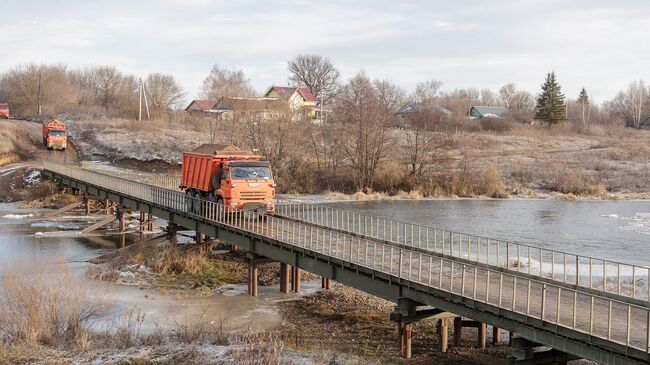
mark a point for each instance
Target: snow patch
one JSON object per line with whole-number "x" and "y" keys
{"x": 17, "y": 216}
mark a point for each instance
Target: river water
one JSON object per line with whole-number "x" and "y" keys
{"x": 614, "y": 230}
{"x": 28, "y": 241}
{"x": 603, "y": 229}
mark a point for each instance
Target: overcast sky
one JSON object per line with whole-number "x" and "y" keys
{"x": 602, "y": 45}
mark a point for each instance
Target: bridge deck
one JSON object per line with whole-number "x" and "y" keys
{"x": 587, "y": 322}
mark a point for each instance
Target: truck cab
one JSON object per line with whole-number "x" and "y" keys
{"x": 54, "y": 134}
{"x": 4, "y": 111}
{"x": 246, "y": 185}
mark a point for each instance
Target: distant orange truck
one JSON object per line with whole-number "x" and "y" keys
{"x": 240, "y": 180}
{"x": 54, "y": 134}
{"x": 4, "y": 110}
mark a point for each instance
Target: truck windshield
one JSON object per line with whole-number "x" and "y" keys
{"x": 251, "y": 173}
{"x": 57, "y": 133}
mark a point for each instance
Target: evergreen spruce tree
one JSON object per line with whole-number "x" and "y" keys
{"x": 550, "y": 103}
{"x": 583, "y": 100}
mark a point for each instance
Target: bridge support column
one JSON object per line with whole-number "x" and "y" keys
{"x": 295, "y": 279}
{"x": 172, "y": 229}
{"x": 87, "y": 202}
{"x": 142, "y": 226}
{"x": 482, "y": 336}
{"x": 107, "y": 207}
{"x": 443, "y": 335}
{"x": 496, "y": 335}
{"x": 198, "y": 238}
{"x": 150, "y": 220}
{"x": 325, "y": 283}
{"x": 121, "y": 220}
{"x": 284, "y": 278}
{"x": 458, "y": 330}
{"x": 252, "y": 278}
{"x": 405, "y": 331}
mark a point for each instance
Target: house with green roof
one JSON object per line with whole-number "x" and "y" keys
{"x": 478, "y": 112}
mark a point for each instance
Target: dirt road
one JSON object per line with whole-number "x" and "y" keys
{"x": 34, "y": 129}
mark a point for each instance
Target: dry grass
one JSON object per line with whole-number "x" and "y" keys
{"x": 259, "y": 349}
{"x": 577, "y": 183}
{"x": 45, "y": 305}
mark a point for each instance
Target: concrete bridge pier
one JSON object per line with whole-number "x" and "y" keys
{"x": 285, "y": 273}
{"x": 86, "y": 203}
{"x": 496, "y": 335}
{"x": 459, "y": 323}
{"x": 443, "y": 335}
{"x": 296, "y": 273}
{"x": 325, "y": 283}
{"x": 254, "y": 261}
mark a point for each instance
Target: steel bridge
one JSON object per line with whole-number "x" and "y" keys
{"x": 581, "y": 307}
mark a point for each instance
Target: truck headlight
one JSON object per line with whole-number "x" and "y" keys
{"x": 234, "y": 203}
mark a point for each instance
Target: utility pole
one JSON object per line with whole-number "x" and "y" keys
{"x": 143, "y": 93}
{"x": 140, "y": 105}
{"x": 40, "y": 71}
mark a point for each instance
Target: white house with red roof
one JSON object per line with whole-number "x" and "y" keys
{"x": 300, "y": 100}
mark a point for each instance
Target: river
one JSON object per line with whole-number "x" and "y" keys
{"x": 614, "y": 230}
{"x": 605, "y": 229}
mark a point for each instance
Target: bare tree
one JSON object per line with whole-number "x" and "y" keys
{"x": 426, "y": 92}
{"x": 521, "y": 103}
{"x": 488, "y": 97}
{"x": 365, "y": 111}
{"x": 634, "y": 103}
{"x": 316, "y": 73}
{"x": 222, "y": 82}
{"x": 164, "y": 92}
{"x": 38, "y": 89}
{"x": 422, "y": 147}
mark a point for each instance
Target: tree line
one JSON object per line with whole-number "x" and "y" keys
{"x": 33, "y": 89}
{"x": 103, "y": 89}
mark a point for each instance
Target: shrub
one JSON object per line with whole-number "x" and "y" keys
{"x": 498, "y": 125}
{"x": 577, "y": 183}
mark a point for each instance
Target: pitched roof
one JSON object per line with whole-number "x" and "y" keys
{"x": 416, "y": 107}
{"x": 306, "y": 94}
{"x": 286, "y": 92}
{"x": 491, "y": 110}
{"x": 203, "y": 104}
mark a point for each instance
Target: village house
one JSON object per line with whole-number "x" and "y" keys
{"x": 253, "y": 109}
{"x": 201, "y": 108}
{"x": 478, "y": 112}
{"x": 298, "y": 102}
{"x": 299, "y": 99}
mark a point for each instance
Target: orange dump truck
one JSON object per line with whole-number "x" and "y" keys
{"x": 4, "y": 110}
{"x": 240, "y": 180}
{"x": 54, "y": 134}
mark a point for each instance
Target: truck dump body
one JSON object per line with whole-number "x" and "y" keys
{"x": 199, "y": 169}
{"x": 238, "y": 179}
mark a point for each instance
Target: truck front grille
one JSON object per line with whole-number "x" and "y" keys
{"x": 252, "y": 195}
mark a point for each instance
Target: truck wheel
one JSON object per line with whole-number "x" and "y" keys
{"x": 189, "y": 206}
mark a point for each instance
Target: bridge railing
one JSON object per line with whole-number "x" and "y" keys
{"x": 556, "y": 306}
{"x": 589, "y": 272}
